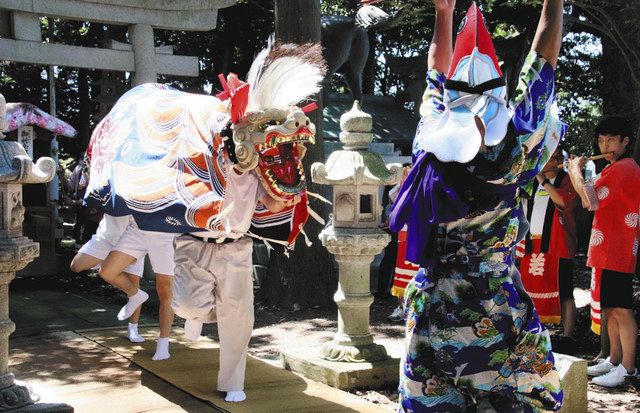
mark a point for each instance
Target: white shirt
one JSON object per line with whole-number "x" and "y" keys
{"x": 540, "y": 202}
{"x": 244, "y": 191}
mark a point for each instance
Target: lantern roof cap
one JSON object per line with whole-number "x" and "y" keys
{"x": 355, "y": 164}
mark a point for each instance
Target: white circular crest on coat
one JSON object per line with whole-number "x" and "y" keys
{"x": 602, "y": 192}
{"x": 597, "y": 238}
{"x": 631, "y": 219}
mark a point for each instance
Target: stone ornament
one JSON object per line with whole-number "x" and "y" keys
{"x": 15, "y": 164}
{"x": 16, "y": 251}
{"x": 356, "y": 175}
{"x": 344, "y": 242}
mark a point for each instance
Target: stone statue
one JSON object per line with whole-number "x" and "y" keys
{"x": 345, "y": 42}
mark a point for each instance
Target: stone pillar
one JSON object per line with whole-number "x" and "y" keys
{"x": 356, "y": 175}
{"x": 144, "y": 54}
{"x": 352, "y": 360}
{"x": 16, "y": 251}
{"x": 26, "y": 26}
{"x": 354, "y": 251}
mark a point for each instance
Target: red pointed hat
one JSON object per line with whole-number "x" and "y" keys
{"x": 474, "y": 88}
{"x": 473, "y": 34}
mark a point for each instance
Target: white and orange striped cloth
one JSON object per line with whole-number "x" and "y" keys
{"x": 596, "y": 310}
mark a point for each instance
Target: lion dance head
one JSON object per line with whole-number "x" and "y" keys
{"x": 267, "y": 131}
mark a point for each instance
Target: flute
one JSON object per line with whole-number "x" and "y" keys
{"x": 565, "y": 164}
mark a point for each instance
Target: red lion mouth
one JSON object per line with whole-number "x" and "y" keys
{"x": 280, "y": 162}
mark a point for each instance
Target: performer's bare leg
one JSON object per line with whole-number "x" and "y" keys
{"x": 622, "y": 340}
{"x": 569, "y": 315}
{"x": 111, "y": 272}
{"x": 164, "y": 289}
{"x": 605, "y": 347}
{"x": 83, "y": 262}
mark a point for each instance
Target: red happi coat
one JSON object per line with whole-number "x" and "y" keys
{"x": 615, "y": 232}
{"x": 540, "y": 261}
{"x": 559, "y": 234}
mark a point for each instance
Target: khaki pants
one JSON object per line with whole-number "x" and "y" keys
{"x": 213, "y": 283}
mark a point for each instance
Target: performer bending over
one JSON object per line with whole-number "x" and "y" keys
{"x": 474, "y": 339}
{"x": 186, "y": 163}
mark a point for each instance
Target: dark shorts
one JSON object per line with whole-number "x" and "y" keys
{"x": 616, "y": 289}
{"x": 565, "y": 278}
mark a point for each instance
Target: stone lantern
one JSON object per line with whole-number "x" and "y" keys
{"x": 354, "y": 237}
{"x": 16, "y": 251}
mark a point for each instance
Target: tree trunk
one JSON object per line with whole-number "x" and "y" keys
{"x": 308, "y": 276}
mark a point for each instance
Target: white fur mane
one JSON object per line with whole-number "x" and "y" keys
{"x": 283, "y": 75}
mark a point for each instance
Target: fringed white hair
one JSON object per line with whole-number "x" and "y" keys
{"x": 285, "y": 74}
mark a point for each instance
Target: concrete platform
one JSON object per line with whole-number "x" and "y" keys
{"x": 341, "y": 375}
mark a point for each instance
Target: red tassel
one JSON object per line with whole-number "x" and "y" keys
{"x": 238, "y": 91}
{"x": 239, "y": 102}
{"x": 310, "y": 107}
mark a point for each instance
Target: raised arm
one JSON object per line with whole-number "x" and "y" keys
{"x": 549, "y": 32}
{"x": 576, "y": 165}
{"x": 441, "y": 48}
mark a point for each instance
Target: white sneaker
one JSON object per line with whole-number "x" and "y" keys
{"x": 604, "y": 366}
{"x": 613, "y": 378}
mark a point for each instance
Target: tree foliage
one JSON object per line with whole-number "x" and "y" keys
{"x": 597, "y": 71}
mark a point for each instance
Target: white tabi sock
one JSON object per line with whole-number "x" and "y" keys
{"x": 192, "y": 329}
{"x": 134, "y": 302}
{"x": 132, "y": 333}
{"x": 162, "y": 349}
{"x": 235, "y": 396}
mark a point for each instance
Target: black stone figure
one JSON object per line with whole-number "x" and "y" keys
{"x": 345, "y": 42}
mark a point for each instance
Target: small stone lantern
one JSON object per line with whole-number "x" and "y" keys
{"x": 354, "y": 237}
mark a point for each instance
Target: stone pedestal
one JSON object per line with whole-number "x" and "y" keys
{"x": 573, "y": 373}
{"x": 343, "y": 376}
{"x": 354, "y": 250}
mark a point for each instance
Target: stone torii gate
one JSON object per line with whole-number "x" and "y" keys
{"x": 21, "y": 41}
{"x": 21, "y": 37}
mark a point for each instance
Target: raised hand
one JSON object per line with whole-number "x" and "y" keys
{"x": 576, "y": 165}
{"x": 444, "y": 5}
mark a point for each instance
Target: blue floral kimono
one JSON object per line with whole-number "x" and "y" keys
{"x": 472, "y": 333}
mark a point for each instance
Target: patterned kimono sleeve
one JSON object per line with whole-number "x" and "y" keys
{"x": 432, "y": 105}
{"x": 536, "y": 121}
